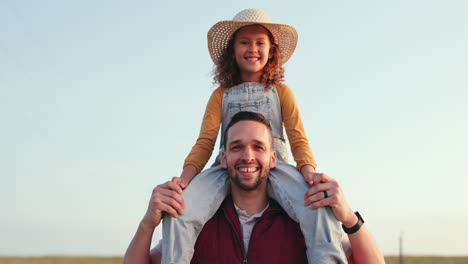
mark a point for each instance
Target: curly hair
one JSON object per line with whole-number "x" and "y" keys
{"x": 227, "y": 72}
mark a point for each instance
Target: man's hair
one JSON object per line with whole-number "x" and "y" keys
{"x": 248, "y": 116}
{"x": 227, "y": 73}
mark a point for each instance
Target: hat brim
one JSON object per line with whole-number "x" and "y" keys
{"x": 285, "y": 36}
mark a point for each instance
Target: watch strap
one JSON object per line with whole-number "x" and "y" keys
{"x": 356, "y": 227}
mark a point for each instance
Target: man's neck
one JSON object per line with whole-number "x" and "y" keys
{"x": 251, "y": 201}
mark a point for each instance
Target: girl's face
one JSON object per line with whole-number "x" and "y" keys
{"x": 252, "y": 51}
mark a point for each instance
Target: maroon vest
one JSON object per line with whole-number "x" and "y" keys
{"x": 276, "y": 238}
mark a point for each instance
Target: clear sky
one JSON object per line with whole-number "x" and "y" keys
{"x": 100, "y": 101}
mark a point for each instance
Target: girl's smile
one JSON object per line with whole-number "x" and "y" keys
{"x": 252, "y": 51}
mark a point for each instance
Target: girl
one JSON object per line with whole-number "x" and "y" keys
{"x": 249, "y": 52}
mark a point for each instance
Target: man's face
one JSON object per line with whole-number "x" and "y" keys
{"x": 249, "y": 154}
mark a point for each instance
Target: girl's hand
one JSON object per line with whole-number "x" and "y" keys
{"x": 187, "y": 175}
{"x": 180, "y": 181}
{"x": 308, "y": 172}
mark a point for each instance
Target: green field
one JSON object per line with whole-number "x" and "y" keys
{"x": 115, "y": 260}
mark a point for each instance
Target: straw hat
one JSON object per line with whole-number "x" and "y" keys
{"x": 285, "y": 36}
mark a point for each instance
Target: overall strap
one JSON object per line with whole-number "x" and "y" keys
{"x": 255, "y": 98}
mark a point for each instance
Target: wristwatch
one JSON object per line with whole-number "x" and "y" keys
{"x": 356, "y": 227}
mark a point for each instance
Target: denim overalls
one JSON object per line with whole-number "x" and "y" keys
{"x": 208, "y": 189}
{"x": 254, "y": 98}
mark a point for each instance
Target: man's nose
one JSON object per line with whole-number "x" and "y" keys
{"x": 248, "y": 154}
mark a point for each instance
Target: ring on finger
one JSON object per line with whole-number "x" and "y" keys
{"x": 325, "y": 194}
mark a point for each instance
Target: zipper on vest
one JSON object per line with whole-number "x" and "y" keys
{"x": 269, "y": 211}
{"x": 241, "y": 245}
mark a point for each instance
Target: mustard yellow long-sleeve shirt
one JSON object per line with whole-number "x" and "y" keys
{"x": 292, "y": 122}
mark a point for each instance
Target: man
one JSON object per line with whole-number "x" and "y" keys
{"x": 229, "y": 236}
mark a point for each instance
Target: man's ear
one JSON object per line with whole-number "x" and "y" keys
{"x": 274, "y": 159}
{"x": 223, "y": 160}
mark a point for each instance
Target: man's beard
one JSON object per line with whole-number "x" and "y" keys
{"x": 236, "y": 179}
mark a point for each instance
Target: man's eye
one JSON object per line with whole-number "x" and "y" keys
{"x": 235, "y": 147}
{"x": 260, "y": 147}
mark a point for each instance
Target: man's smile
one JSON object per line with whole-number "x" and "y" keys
{"x": 248, "y": 169}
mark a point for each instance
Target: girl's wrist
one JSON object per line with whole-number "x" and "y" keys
{"x": 188, "y": 173}
{"x": 307, "y": 169}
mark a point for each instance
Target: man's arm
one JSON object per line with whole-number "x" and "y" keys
{"x": 155, "y": 256}
{"x": 165, "y": 198}
{"x": 364, "y": 247}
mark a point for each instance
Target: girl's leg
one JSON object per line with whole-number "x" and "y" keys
{"x": 321, "y": 229}
{"x": 202, "y": 197}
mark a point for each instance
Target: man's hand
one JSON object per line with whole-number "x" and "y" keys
{"x": 315, "y": 198}
{"x": 165, "y": 198}
{"x": 364, "y": 248}
{"x": 308, "y": 172}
